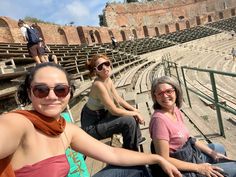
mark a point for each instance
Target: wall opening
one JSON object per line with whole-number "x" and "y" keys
{"x": 82, "y": 38}
{"x": 145, "y": 31}
{"x": 63, "y": 37}
{"x": 221, "y": 15}
{"x": 209, "y": 18}
{"x": 97, "y": 34}
{"x": 91, "y": 34}
{"x": 123, "y": 35}
{"x": 135, "y": 33}
{"x": 157, "y": 31}
{"x": 177, "y": 27}
{"x": 167, "y": 30}
{"x": 232, "y": 12}
{"x": 110, "y": 33}
{"x": 187, "y": 24}
{"x": 4, "y": 29}
{"x": 198, "y": 20}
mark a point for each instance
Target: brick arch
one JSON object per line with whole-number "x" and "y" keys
{"x": 110, "y": 33}
{"x": 157, "y": 31}
{"x": 145, "y": 31}
{"x": 91, "y": 34}
{"x": 123, "y": 35}
{"x": 187, "y": 24}
{"x": 63, "y": 37}
{"x": 5, "y": 30}
{"x": 209, "y": 18}
{"x": 232, "y": 12}
{"x": 167, "y": 30}
{"x": 177, "y": 28}
{"x": 221, "y": 15}
{"x": 198, "y": 20}
{"x": 83, "y": 39}
{"x": 135, "y": 33}
{"x": 97, "y": 34}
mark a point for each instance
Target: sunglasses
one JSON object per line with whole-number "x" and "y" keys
{"x": 42, "y": 91}
{"x": 167, "y": 92}
{"x": 100, "y": 66}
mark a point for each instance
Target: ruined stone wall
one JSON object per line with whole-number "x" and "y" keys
{"x": 156, "y": 13}
{"x": 124, "y": 20}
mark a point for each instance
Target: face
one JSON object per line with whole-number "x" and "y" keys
{"x": 49, "y": 91}
{"x": 103, "y": 68}
{"x": 165, "y": 95}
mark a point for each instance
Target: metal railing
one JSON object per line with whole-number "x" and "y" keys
{"x": 215, "y": 100}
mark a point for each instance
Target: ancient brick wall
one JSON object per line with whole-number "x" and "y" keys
{"x": 125, "y": 20}
{"x": 156, "y": 13}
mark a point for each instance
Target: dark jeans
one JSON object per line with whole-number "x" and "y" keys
{"x": 101, "y": 124}
{"x": 117, "y": 171}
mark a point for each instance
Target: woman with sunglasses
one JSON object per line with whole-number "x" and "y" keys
{"x": 171, "y": 139}
{"x": 33, "y": 142}
{"x": 105, "y": 112}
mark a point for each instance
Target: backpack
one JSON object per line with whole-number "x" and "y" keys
{"x": 33, "y": 37}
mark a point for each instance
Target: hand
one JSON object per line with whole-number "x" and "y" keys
{"x": 136, "y": 110}
{"x": 139, "y": 118}
{"x": 217, "y": 156}
{"x": 209, "y": 170}
{"x": 170, "y": 169}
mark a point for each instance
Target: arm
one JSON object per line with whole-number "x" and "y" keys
{"x": 120, "y": 100}
{"x": 204, "y": 148}
{"x": 81, "y": 141}
{"x": 103, "y": 95}
{"x": 162, "y": 148}
{"x": 13, "y": 128}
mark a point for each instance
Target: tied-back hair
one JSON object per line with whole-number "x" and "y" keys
{"x": 91, "y": 64}
{"x": 20, "y": 22}
{"x": 23, "y": 89}
{"x": 166, "y": 80}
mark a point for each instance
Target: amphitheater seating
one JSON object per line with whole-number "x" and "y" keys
{"x": 225, "y": 25}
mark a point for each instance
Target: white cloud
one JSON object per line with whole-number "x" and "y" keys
{"x": 82, "y": 12}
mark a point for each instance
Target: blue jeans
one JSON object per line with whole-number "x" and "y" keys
{"x": 117, "y": 171}
{"x": 228, "y": 167}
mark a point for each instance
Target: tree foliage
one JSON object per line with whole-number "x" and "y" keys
{"x": 102, "y": 20}
{"x": 35, "y": 20}
{"x": 129, "y": 1}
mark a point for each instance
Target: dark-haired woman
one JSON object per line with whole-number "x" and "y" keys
{"x": 171, "y": 137}
{"x": 106, "y": 113}
{"x": 33, "y": 142}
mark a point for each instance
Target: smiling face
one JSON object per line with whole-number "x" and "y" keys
{"x": 50, "y": 105}
{"x": 102, "y": 68}
{"x": 165, "y": 95}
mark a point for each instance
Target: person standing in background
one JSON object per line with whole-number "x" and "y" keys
{"x": 32, "y": 41}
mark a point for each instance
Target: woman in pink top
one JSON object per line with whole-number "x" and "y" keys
{"x": 169, "y": 134}
{"x": 33, "y": 142}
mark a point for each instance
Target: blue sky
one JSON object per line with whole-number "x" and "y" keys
{"x": 82, "y": 12}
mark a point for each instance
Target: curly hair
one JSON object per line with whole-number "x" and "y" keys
{"x": 22, "y": 92}
{"x": 91, "y": 64}
{"x": 166, "y": 80}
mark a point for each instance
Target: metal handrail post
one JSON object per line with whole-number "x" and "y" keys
{"x": 216, "y": 100}
{"x": 177, "y": 73}
{"x": 186, "y": 88}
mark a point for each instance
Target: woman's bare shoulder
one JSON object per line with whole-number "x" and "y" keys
{"x": 15, "y": 119}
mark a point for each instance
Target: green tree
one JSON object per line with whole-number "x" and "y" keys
{"x": 102, "y": 20}
{"x": 35, "y": 20}
{"x": 129, "y": 1}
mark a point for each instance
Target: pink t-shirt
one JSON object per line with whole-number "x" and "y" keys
{"x": 56, "y": 166}
{"x": 163, "y": 128}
